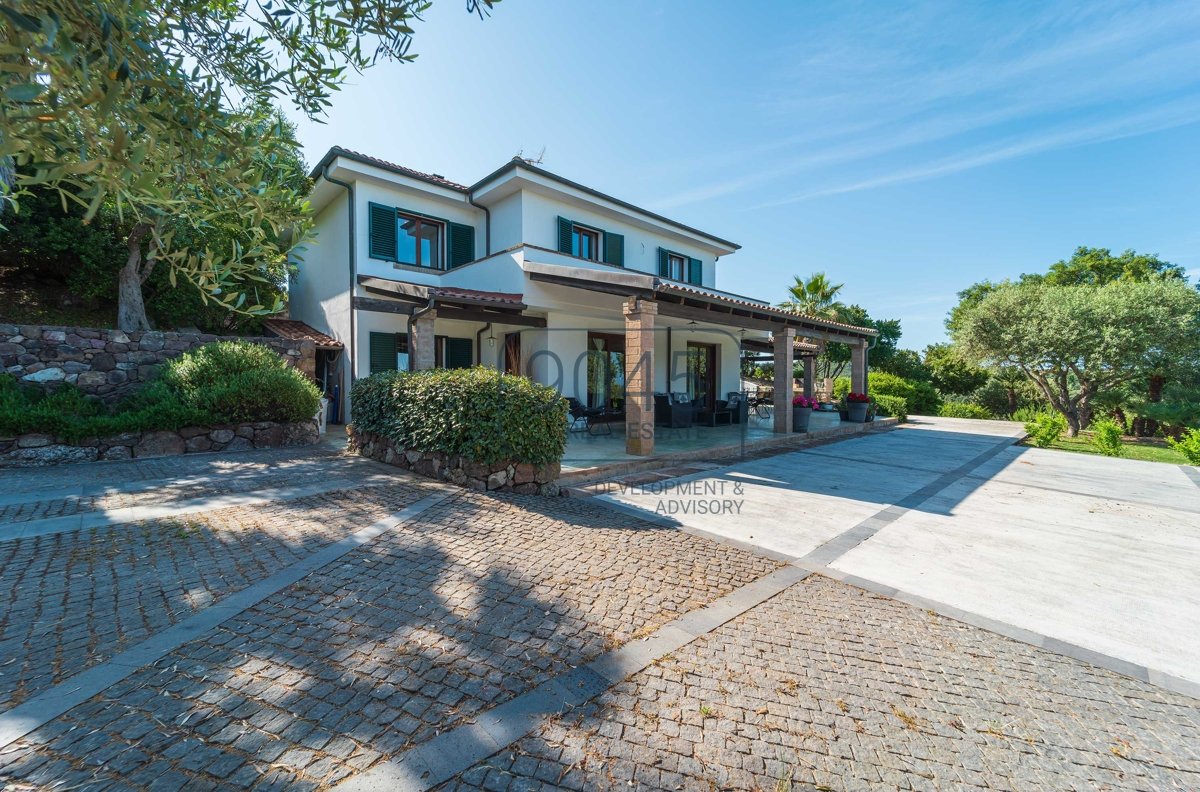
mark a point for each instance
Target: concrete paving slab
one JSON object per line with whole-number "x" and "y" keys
{"x": 1113, "y": 576}
{"x": 788, "y": 504}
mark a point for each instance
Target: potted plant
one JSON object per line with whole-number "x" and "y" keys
{"x": 857, "y": 405}
{"x": 802, "y": 408}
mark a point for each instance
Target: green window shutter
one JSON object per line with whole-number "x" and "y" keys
{"x": 663, "y": 265}
{"x": 614, "y": 249}
{"x": 460, "y": 353}
{"x": 381, "y": 231}
{"x": 383, "y": 352}
{"x": 695, "y": 272}
{"x": 462, "y": 244}
{"x": 564, "y": 235}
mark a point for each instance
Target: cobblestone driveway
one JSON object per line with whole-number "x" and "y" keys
{"x": 479, "y": 599}
{"x": 826, "y": 686}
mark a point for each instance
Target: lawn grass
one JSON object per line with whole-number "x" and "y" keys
{"x": 1156, "y": 451}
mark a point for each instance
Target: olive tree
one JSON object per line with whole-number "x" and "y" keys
{"x": 161, "y": 109}
{"x": 1075, "y": 342}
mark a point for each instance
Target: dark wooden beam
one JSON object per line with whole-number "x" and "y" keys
{"x": 498, "y": 317}
{"x": 382, "y": 306}
{"x": 694, "y": 314}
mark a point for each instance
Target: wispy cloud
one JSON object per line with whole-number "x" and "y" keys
{"x": 881, "y": 101}
{"x": 1180, "y": 114}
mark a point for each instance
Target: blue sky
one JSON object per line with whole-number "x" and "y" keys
{"x": 907, "y": 150}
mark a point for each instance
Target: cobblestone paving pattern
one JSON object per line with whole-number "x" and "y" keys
{"x": 72, "y": 600}
{"x": 480, "y": 599}
{"x": 829, "y": 687}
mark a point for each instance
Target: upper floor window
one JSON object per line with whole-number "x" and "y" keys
{"x": 585, "y": 243}
{"x": 676, "y": 267}
{"x": 419, "y": 242}
{"x": 590, "y": 243}
{"x": 679, "y": 267}
{"x": 407, "y": 238}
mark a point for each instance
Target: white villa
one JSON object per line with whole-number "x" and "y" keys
{"x": 535, "y": 274}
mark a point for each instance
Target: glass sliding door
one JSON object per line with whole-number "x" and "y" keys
{"x": 606, "y": 371}
{"x": 702, "y": 374}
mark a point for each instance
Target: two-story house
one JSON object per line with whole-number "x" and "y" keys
{"x": 534, "y": 274}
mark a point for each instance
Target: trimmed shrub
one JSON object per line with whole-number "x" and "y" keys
{"x": 1106, "y": 437}
{"x": 1045, "y": 428}
{"x": 223, "y": 382}
{"x": 891, "y": 406}
{"x": 238, "y": 382}
{"x": 964, "y": 410}
{"x": 920, "y": 398}
{"x": 478, "y": 413}
{"x": 841, "y": 386}
{"x": 1188, "y": 445}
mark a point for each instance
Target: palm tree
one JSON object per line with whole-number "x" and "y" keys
{"x": 816, "y": 296}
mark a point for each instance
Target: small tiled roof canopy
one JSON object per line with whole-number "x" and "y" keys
{"x": 295, "y": 330}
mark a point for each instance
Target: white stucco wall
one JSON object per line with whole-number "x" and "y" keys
{"x": 540, "y": 215}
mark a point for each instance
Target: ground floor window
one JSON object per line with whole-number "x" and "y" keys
{"x": 606, "y": 371}
{"x": 388, "y": 352}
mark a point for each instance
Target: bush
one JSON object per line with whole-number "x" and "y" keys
{"x": 479, "y": 413}
{"x": 239, "y": 382}
{"x": 224, "y": 382}
{"x": 891, "y": 406}
{"x": 1029, "y": 414}
{"x": 1045, "y": 428}
{"x": 1188, "y": 445}
{"x": 964, "y": 410}
{"x": 1106, "y": 437}
{"x": 920, "y": 398}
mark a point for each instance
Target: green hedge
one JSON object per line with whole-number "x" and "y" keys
{"x": 890, "y": 406}
{"x": 219, "y": 383}
{"x": 241, "y": 382}
{"x": 479, "y": 413}
{"x": 964, "y": 410}
{"x": 921, "y": 398}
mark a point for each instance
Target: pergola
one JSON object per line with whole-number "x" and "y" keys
{"x": 647, "y": 296}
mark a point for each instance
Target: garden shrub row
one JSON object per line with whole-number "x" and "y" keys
{"x": 890, "y": 406}
{"x": 478, "y": 413}
{"x": 225, "y": 382}
{"x": 954, "y": 409}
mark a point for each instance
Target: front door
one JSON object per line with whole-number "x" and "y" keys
{"x": 702, "y": 374}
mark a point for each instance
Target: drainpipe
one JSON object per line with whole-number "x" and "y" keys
{"x": 487, "y": 224}
{"x": 417, "y": 314}
{"x": 353, "y": 270}
{"x": 479, "y": 341}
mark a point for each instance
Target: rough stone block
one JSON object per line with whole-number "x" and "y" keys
{"x": 159, "y": 444}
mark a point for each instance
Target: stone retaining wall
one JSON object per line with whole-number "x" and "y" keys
{"x": 32, "y": 450}
{"x": 110, "y": 363}
{"x": 508, "y": 476}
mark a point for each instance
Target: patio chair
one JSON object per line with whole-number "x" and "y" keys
{"x": 670, "y": 413}
{"x": 739, "y": 405}
{"x": 585, "y": 419}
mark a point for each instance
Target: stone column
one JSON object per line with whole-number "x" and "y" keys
{"x": 785, "y": 350}
{"x": 639, "y": 375}
{"x": 810, "y": 364}
{"x": 420, "y": 339}
{"x": 858, "y": 367}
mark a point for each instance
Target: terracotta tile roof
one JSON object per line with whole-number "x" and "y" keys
{"x": 451, "y": 292}
{"x": 679, "y": 288}
{"x": 432, "y": 178}
{"x": 295, "y": 330}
